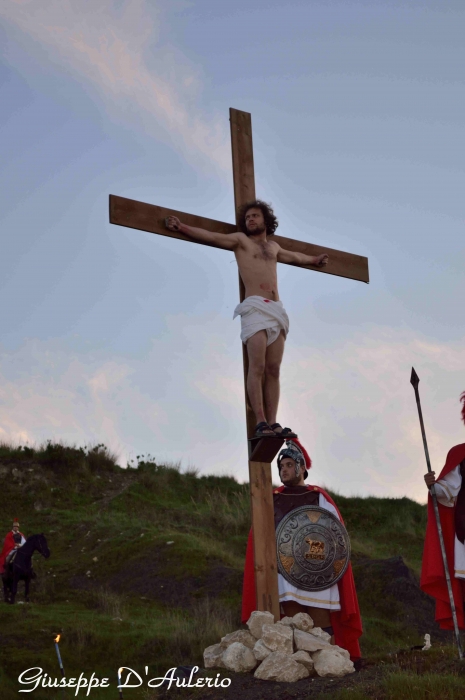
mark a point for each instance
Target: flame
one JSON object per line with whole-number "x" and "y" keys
{"x": 57, "y": 638}
{"x": 119, "y": 670}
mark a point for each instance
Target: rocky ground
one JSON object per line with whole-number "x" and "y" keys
{"x": 285, "y": 651}
{"x": 371, "y": 681}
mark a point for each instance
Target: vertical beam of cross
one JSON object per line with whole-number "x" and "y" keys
{"x": 244, "y": 191}
{"x": 261, "y": 493}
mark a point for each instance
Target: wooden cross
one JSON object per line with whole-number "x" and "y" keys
{"x": 151, "y": 218}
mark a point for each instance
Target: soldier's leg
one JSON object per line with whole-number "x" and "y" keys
{"x": 273, "y": 359}
{"x": 291, "y": 608}
{"x": 320, "y": 616}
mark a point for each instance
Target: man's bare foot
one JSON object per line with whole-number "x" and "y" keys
{"x": 263, "y": 430}
{"x": 283, "y": 432}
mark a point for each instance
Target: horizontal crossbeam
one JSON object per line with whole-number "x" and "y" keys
{"x": 151, "y": 218}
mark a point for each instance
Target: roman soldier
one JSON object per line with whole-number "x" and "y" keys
{"x": 450, "y": 493}
{"x": 334, "y": 609}
{"x": 12, "y": 541}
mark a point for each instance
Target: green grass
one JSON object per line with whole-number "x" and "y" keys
{"x": 107, "y": 632}
{"x": 410, "y": 687}
{"x": 115, "y": 523}
{"x": 385, "y": 527}
{"x": 431, "y": 675}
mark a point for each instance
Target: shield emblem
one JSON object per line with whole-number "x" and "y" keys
{"x": 313, "y": 548}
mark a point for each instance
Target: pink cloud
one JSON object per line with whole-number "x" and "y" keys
{"x": 117, "y": 51}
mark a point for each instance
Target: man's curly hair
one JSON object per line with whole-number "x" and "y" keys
{"x": 271, "y": 222}
{"x": 462, "y": 399}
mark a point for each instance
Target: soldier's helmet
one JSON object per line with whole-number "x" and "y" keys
{"x": 298, "y": 453}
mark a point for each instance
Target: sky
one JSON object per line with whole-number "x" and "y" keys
{"x": 116, "y": 336}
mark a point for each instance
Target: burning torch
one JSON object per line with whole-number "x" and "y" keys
{"x": 57, "y": 640}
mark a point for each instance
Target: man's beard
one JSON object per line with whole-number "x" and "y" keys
{"x": 292, "y": 481}
{"x": 256, "y": 231}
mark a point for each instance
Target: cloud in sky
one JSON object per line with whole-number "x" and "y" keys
{"x": 129, "y": 366}
{"x": 362, "y": 418}
{"x": 117, "y": 48}
{"x": 64, "y": 396}
{"x": 353, "y": 405}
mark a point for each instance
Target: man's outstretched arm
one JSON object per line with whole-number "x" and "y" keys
{"x": 228, "y": 241}
{"x": 287, "y": 256}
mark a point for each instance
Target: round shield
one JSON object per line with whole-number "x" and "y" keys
{"x": 313, "y": 548}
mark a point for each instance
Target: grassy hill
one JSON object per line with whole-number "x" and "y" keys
{"x": 146, "y": 566}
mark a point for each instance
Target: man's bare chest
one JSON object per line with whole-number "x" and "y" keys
{"x": 263, "y": 251}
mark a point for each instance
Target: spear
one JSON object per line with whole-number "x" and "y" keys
{"x": 414, "y": 381}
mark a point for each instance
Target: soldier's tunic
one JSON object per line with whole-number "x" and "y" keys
{"x": 450, "y": 491}
{"x": 285, "y": 500}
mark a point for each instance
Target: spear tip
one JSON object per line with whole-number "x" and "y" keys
{"x": 414, "y": 379}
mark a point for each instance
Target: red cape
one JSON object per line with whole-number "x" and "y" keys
{"x": 433, "y": 580}
{"x": 8, "y": 545}
{"x": 347, "y": 623}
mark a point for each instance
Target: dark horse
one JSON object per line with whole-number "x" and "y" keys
{"x": 20, "y": 569}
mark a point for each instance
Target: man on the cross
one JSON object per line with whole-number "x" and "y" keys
{"x": 264, "y": 321}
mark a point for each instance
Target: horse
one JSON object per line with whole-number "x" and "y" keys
{"x": 20, "y": 569}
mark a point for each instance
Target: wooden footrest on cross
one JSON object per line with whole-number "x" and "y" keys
{"x": 264, "y": 449}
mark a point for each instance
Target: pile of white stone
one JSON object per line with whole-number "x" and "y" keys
{"x": 286, "y": 651}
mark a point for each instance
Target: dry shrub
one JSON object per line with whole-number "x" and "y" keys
{"x": 159, "y": 478}
{"x": 81, "y": 637}
{"x": 60, "y": 458}
{"x": 43, "y": 586}
{"x": 190, "y": 633}
{"x": 101, "y": 458}
{"x": 208, "y": 622}
{"x": 110, "y": 603}
{"x": 227, "y": 514}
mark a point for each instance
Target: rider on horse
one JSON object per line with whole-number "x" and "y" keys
{"x": 12, "y": 542}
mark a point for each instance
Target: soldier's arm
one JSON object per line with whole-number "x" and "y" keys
{"x": 447, "y": 488}
{"x": 430, "y": 478}
{"x": 227, "y": 241}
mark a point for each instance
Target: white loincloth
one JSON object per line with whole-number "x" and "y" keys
{"x": 260, "y": 314}
{"x": 447, "y": 489}
{"x": 329, "y": 598}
